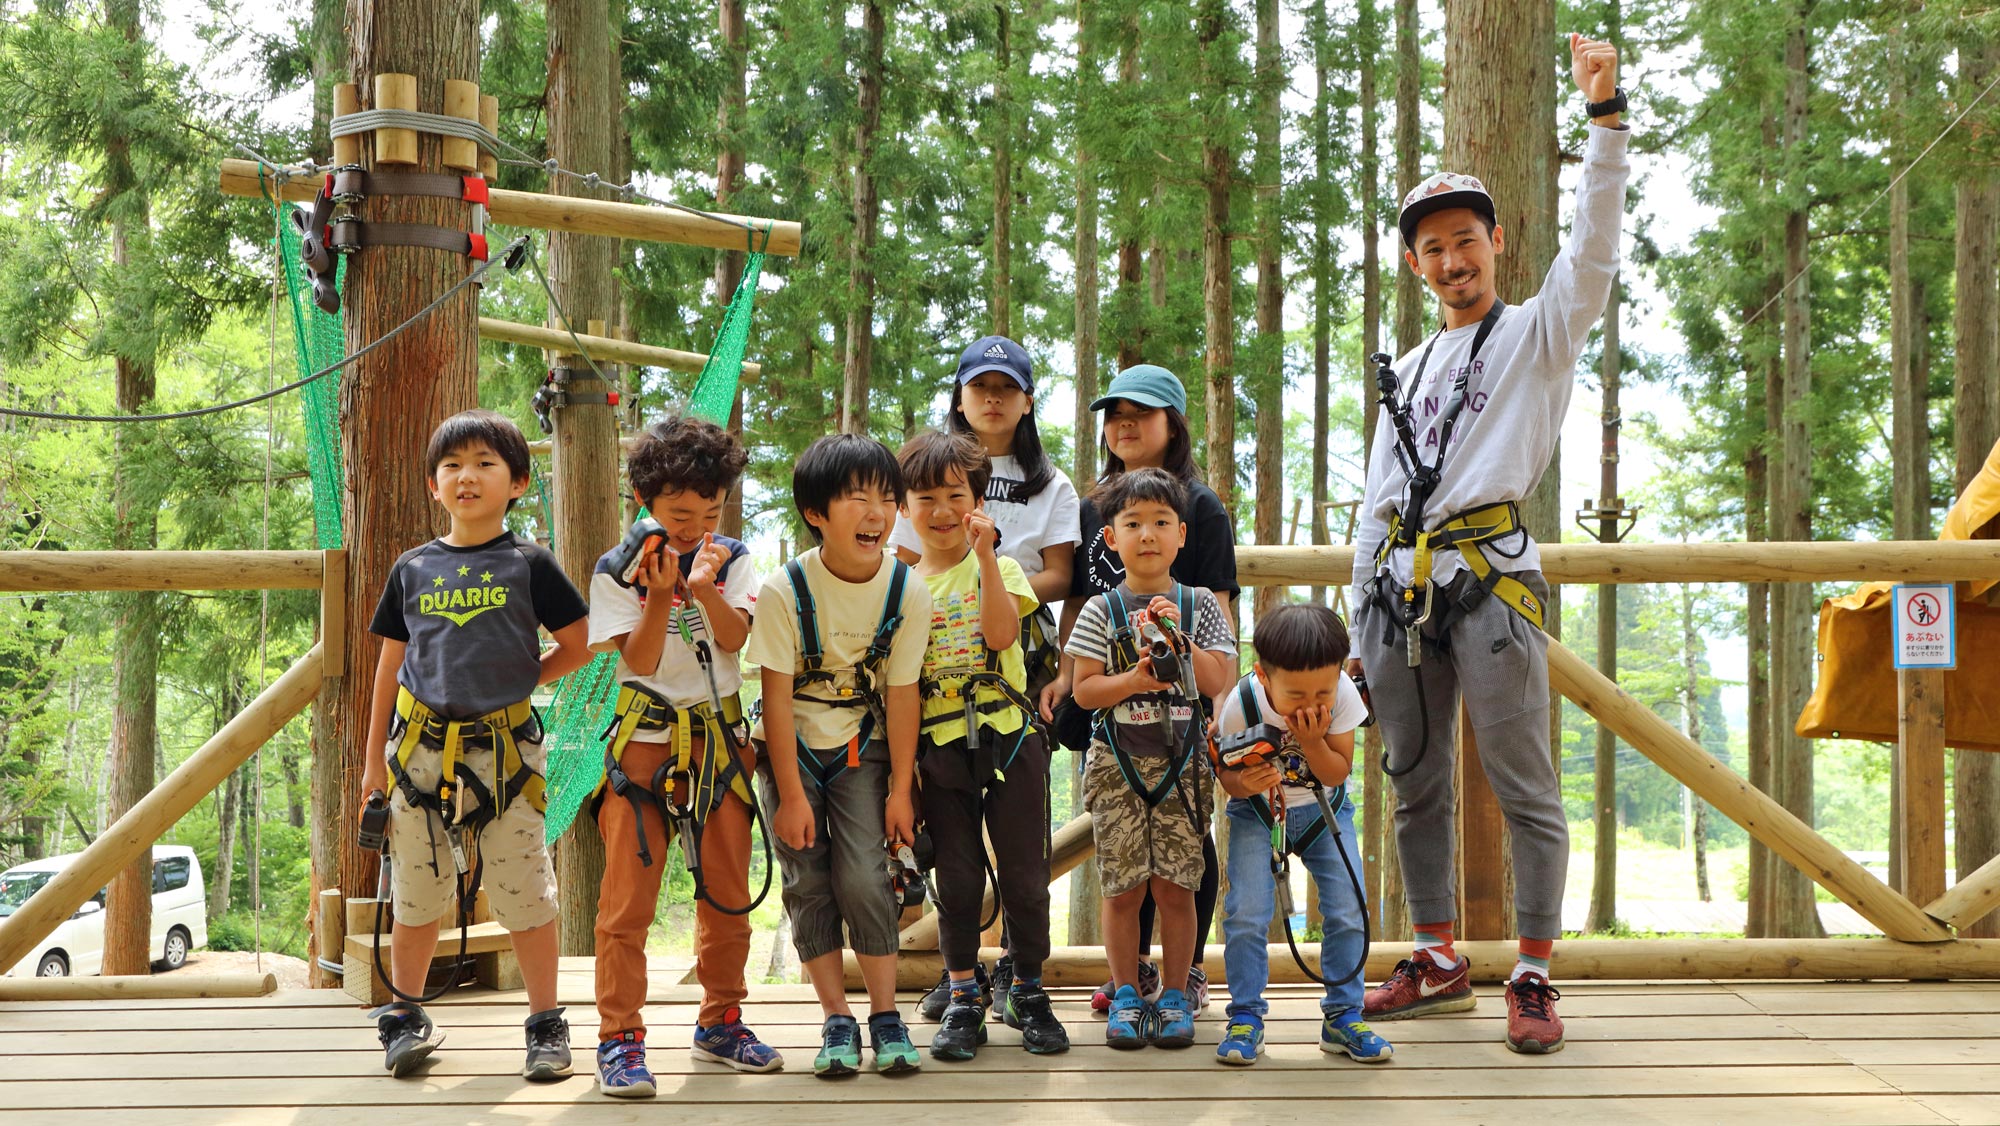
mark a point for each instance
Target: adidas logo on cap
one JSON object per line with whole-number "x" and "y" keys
{"x": 996, "y": 352}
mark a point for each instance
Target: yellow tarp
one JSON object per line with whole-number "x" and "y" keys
{"x": 1855, "y": 694}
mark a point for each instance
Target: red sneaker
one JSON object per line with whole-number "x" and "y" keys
{"x": 1532, "y": 1023}
{"x": 1419, "y": 988}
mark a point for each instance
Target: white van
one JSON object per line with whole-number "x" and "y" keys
{"x": 180, "y": 915}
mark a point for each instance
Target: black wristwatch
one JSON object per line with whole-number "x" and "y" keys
{"x": 1616, "y": 103}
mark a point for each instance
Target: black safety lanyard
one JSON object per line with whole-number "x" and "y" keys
{"x": 1448, "y": 422}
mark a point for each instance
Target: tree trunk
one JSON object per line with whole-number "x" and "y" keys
{"x": 1270, "y": 368}
{"x": 1218, "y": 163}
{"x": 1131, "y": 314}
{"x": 1084, "y": 467}
{"x": 1370, "y": 34}
{"x": 391, "y": 398}
{"x": 1976, "y": 777}
{"x": 729, "y": 121}
{"x": 1796, "y": 913}
{"x": 1766, "y": 401}
{"x": 1409, "y": 151}
{"x": 1911, "y": 430}
{"x": 131, "y": 761}
{"x": 861, "y": 255}
{"x": 1000, "y": 302}
{"x": 295, "y": 808}
{"x": 1604, "y": 868}
{"x": 1691, "y": 705}
{"x": 328, "y": 57}
{"x": 582, "y": 120}
{"x": 249, "y": 813}
{"x": 225, "y": 845}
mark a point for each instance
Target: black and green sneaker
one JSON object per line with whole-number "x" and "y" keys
{"x": 839, "y": 1047}
{"x": 962, "y": 1028}
{"x": 1027, "y": 1008}
{"x": 890, "y": 1039}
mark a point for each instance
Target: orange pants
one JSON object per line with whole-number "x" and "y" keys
{"x": 631, "y": 894}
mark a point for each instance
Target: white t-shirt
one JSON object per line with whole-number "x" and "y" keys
{"x": 848, "y": 615}
{"x": 1047, "y": 519}
{"x": 1517, "y": 392}
{"x": 615, "y": 609}
{"x": 1348, "y": 712}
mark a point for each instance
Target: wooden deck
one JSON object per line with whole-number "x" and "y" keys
{"x": 1686, "y": 1052}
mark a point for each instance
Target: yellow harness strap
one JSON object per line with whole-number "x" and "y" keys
{"x": 1466, "y": 533}
{"x": 419, "y": 718}
{"x": 638, "y": 711}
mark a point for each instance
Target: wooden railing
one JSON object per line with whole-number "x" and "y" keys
{"x": 124, "y": 840}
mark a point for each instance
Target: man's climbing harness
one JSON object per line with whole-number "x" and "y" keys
{"x": 1265, "y": 742}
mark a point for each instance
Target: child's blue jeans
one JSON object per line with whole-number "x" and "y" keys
{"x": 1253, "y": 897}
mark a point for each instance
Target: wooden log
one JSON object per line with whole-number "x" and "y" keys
{"x": 121, "y": 843}
{"x": 578, "y": 216}
{"x": 346, "y": 103}
{"x": 1920, "y": 782}
{"x": 1591, "y": 959}
{"x": 489, "y": 116}
{"x": 1069, "y": 846}
{"x": 600, "y": 348}
{"x": 1737, "y": 800}
{"x": 330, "y": 920}
{"x": 1970, "y": 899}
{"x": 396, "y": 146}
{"x": 1885, "y": 561}
{"x": 333, "y": 612}
{"x": 160, "y": 570}
{"x": 169, "y": 987}
{"x": 461, "y": 99}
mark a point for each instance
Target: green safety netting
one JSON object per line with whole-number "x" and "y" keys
{"x": 319, "y": 340}
{"x": 715, "y": 389}
{"x": 575, "y": 727}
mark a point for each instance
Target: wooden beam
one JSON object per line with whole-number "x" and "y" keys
{"x": 1970, "y": 899}
{"x": 159, "y": 570}
{"x": 1739, "y": 801}
{"x": 604, "y": 348}
{"x": 120, "y": 844}
{"x": 1070, "y": 846}
{"x": 1589, "y": 959}
{"x": 577, "y": 216}
{"x": 170, "y": 987}
{"x": 1920, "y": 781}
{"x": 1592, "y": 563}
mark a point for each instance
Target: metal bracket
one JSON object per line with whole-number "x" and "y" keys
{"x": 1591, "y": 519}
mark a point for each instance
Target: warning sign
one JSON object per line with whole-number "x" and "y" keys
{"x": 1926, "y": 633}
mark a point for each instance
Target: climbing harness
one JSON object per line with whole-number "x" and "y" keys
{"x": 1260, "y": 741}
{"x": 864, "y": 693}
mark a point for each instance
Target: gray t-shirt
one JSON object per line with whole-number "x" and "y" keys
{"x": 469, "y": 616}
{"x": 1139, "y": 731}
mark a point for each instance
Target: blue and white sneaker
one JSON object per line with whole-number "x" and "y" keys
{"x": 1175, "y": 1020}
{"x": 1345, "y": 1031}
{"x": 1242, "y": 1040}
{"x": 621, "y": 1067}
{"x": 731, "y": 1043}
{"x": 1125, "y": 1022}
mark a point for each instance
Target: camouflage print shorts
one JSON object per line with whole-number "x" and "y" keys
{"x": 519, "y": 879}
{"x": 1134, "y": 842}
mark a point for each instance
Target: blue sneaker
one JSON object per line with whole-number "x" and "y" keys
{"x": 1125, "y": 1022}
{"x": 621, "y": 1067}
{"x": 731, "y": 1043}
{"x": 1175, "y": 1020}
{"x": 1345, "y": 1031}
{"x": 1242, "y": 1041}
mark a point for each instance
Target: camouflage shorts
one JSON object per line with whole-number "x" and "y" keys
{"x": 1134, "y": 842}
{"x": 519, "y": 879}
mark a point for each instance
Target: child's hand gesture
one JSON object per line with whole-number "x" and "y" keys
{"x": 899, "y": 819}
{"x": 659, "y": 573}
{"x": 979, "y": 532}
{"x": 794, "y": 824}
{"x": 708, "y": 563}
{"x": 1309, "y": 724}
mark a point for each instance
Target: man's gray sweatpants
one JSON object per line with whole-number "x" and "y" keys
{"x": 1499, "y": 662}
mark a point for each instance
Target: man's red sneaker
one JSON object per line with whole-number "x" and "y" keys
{"x": 1532, "y": 1023}
{"x": 1418, "y": 988}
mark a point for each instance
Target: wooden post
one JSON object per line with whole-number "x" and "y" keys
{"x": 133, "y": 834}
{"x": 330, "y": 919}
{"x": 1485, "y": 906}
{"x": 603, "y": 349}
{"x": 396, "y": 146}
{"x": 333, "y": 612}
{"x": 1920, "y": 782}
{"x": 461, "y": 99}
{"x": 489, "y": 116}
{"x": 1970, "y": 899}
{"x": 1737, "y": 800}
{"x": 346, "y": 102}
{"x": 173, "y": 987}
{"x": 160, "y": 570}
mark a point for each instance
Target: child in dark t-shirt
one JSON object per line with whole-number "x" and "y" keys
{"x": 454, "y": 745}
